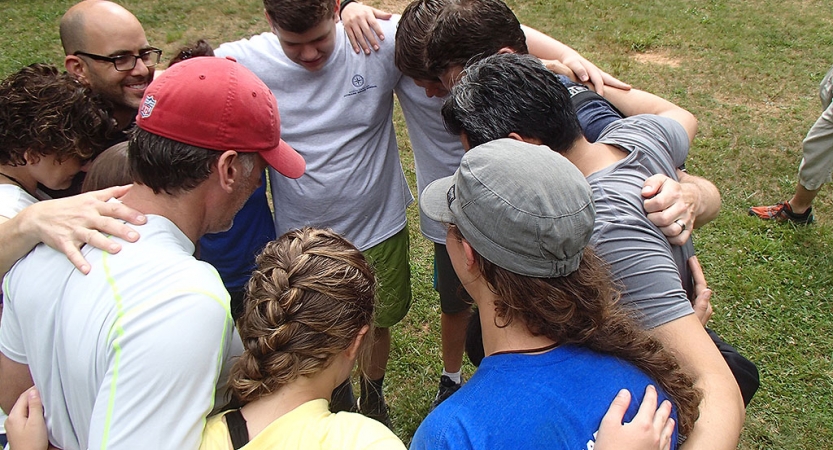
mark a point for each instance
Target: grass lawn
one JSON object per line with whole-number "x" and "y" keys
{"x": 749, "y": 70}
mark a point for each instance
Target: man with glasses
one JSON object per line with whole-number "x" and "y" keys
{"x": 107, "y": 49}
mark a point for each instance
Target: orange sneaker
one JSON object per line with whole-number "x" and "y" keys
{"x": 782, "y": 212}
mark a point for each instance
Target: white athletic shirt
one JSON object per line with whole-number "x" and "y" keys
{"x": 129, "y": 355}
{"x": 339, "y": 119}
{"x": 12, "y": 200}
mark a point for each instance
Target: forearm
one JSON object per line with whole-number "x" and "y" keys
{"x": 542, "y": 46}
{"x": 721, "y": 415}
{"x": 702, "y": 195}
{"x": 16, "y": 240}
{"x": 721, "y": 411}
{"x": 633, "y": 101}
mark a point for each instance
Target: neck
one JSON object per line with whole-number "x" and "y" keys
{"x": 590, "y": 158}
{"x": 265, "y": 410}
{"x": 185, "y": 210}
{"x": 18, "y": 176}
{"x": 511, "y": 338}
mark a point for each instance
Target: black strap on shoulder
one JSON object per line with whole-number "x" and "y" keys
{"x": 237, "y": 429}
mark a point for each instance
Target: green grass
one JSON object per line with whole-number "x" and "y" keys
{"x": 749, "y": 70}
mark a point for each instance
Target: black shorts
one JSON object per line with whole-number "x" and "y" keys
{"x": 453, "y": 297}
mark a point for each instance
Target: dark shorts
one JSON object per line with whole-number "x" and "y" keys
{"x": 453, "y": 297}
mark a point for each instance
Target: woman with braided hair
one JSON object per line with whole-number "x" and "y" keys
{"x": 308, "y": 311}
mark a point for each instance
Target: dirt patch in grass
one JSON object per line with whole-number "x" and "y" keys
{"x": 656, "y": 58}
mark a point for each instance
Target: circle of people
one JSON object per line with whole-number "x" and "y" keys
{"x": 181, "y": 311}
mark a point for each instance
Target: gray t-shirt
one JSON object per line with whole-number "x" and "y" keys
{"x": 339, "y": 118}
{"x": 639, "y": 255}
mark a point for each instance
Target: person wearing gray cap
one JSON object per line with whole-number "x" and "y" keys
{"x": 516, "y": 96}
{"x": 520, "y": 219}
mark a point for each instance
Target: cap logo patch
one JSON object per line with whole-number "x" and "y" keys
{"x": 147, "y": 107}
{"x": 451, "y": 195}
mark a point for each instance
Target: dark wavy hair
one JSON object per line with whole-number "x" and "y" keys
{"x": 469, "y": 30}
{"x": 512, "y": 93}
{"x": 308, "y": 299}
{"x": 47, "y": 112}
{"x": 298, "y": 16}
{"x": 199, "y": 48}
{"x": 583, "y": 309}
{"x": 412, "y": 36}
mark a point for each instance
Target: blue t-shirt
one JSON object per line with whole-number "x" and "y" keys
{"x": 554, "y": 400}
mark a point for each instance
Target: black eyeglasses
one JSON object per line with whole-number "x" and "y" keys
{"x": 126, "y": 63}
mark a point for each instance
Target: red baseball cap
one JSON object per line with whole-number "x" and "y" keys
{"x": 218, "y": 104}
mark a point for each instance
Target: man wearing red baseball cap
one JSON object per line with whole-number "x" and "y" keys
{"x": 139, "y": 344}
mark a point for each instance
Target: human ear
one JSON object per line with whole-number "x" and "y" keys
{"x": 76, "y": 67}
{"x": 471, "y": 261}
{"x": 227, "y": 171}
{"x": 353, "y": 349}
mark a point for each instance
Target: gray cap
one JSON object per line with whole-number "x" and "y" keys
{"x": 523, "y": 207}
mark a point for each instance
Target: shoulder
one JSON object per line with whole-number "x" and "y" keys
{"x": 644, "y": 125}
{"x": 440, "y": 430}
{"x": 13, "y": 199}
{"x": 389, "y": 26}
{"x": 264, "y": 43}
{"x": 215, "y": 435}
{"x": 355, "y": 431}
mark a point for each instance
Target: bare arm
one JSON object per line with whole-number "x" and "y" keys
{"x": 67, "y": 224}
{"x": 545, "y": 47}
{"x": 633, "y": 101}
{"x": 14, "y": 380}
{"x": 721, "y": 411}
{"x": 694, "y": 200}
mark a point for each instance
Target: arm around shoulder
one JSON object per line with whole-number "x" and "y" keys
{"x": 721, "y": 411}
{"x": 67, "y": 224}
{"x": 635, "y": 101}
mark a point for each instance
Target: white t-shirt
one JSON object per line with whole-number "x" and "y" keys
{"x": 129, "y": 355}
{"x": 339, "y": 119}
{"x": 437, "y": 153}
{"x": 12, "y": 200}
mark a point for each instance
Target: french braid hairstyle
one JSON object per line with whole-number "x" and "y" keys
{"x": 583, "y": 309}
{"x": 308, "y": 299}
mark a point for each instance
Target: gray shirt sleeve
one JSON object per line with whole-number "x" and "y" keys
{"x": 639, "y": 255}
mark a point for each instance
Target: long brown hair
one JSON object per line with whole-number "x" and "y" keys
{"x": 308, "y": 299}
{"x": 583, "y": 309}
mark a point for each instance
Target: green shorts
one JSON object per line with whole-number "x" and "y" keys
{"x": 391, "y": 262}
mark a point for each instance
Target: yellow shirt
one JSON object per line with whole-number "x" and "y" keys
{"x": 308, "y": 427}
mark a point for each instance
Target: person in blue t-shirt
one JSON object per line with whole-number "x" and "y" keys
{"x": 558, "y": 345}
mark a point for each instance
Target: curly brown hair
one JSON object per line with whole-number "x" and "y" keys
{"x": 583, "y": 309}
{"x": 46, "y": 112}
{"x": 307, "y": 301}
{"x": 193, "y": 50}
